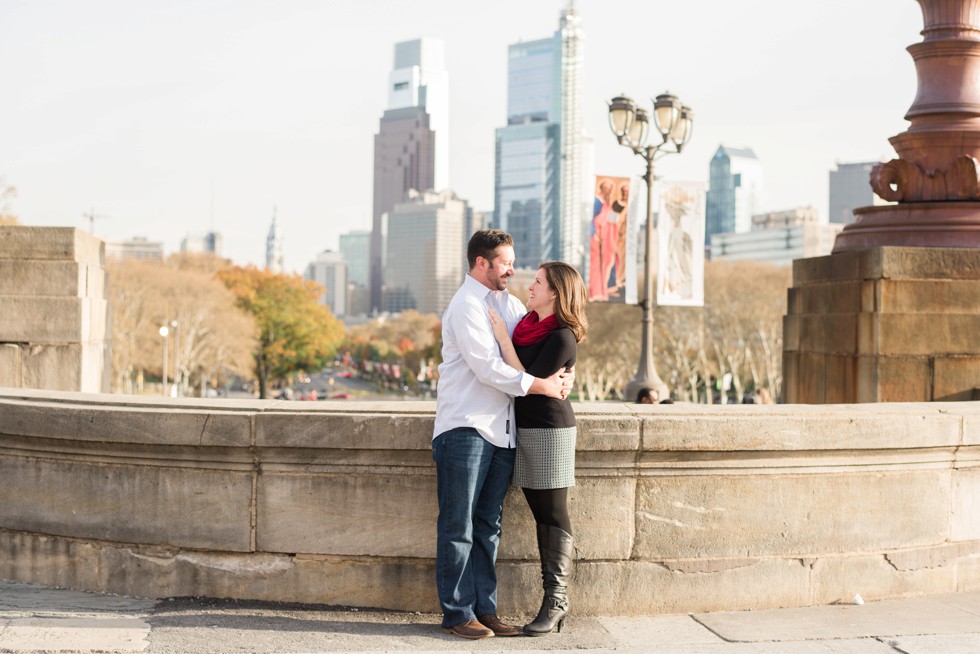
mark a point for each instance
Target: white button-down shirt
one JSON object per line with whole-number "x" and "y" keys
{"x": 476, "y": 388}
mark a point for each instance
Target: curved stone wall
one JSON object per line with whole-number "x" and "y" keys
{"x": 677, "y": 508}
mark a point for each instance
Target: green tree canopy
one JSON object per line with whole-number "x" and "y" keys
{"x": 295, "y": 332}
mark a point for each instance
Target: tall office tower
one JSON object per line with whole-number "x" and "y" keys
{"x": 273, "y": 247}
{"x": 329, "y": 270}
{"x": 538, "y": 192}
{"x": 734, "y": 191}
{"x": 411, "y": 149}
{"x": 850, "y": 188}
{"x": 426, "y": 253}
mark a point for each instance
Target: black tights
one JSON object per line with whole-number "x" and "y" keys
{"x": 550, "y": 507}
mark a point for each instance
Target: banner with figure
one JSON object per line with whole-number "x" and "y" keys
{"x": 609, "y": 235}
{"x": 680, "y": 237}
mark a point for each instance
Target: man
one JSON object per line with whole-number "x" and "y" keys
{"x": 474, "y": 438}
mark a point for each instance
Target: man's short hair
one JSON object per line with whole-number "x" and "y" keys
{"x": 484, "y": 243}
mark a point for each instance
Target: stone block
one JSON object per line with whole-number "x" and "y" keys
{"x": 791, "y": 378}
{"x": 867, "y": 379}
{"x": 344, "y": 514}
{"x": 927, "y": 334}
{"x": 929, "y": 296}
{"x": 11, "y": 365}
{"x": 813, "y": 377}
{"x": 45, "y": 320}
{"x": 322, "y": 429}
{"x": 965, "y": 507}
{"x": 840, "y": 379}
{"x": 840, "y": 297}
{"x": 791, "y": 333}
{"x": 794, "y": 301}
{"x": 955, "y": 378}
{"x": 869, "y": 296}
{"x": 147, "y": 425}
{"x": 839, "y": 579}
{"x": 147, "y": 503}
{"x": 761, "y": 515}
{"x": 922, "y": 263}
{"x": 867, "y": 334}
{"x": 45, "y": 277}
{"x": 53, "y": 367}
{"x": 904, "y": 379}
{"x": 23, "y": 242}
{"x": 829, "y": 333}
{"x": 787, "y": 429}
{"x": 945, "y": 554}
{"x": 607, "y": 433}
{"x": 833, "y": 267}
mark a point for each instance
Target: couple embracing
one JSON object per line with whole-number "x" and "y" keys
{"x": 494, "y": 351}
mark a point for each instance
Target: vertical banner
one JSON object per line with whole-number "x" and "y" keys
{"x": 637, "y": 192}
{"x": 608, "y": 239}
{"x": 680, "y": 236}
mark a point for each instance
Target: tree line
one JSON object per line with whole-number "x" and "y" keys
{"x": 245, "y": 322}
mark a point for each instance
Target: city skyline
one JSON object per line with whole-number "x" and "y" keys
{"x": 168, "y": 118}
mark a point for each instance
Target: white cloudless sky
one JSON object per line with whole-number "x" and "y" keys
{"x": 168, "y": 118}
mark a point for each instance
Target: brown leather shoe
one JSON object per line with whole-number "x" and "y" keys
{"x": 470, "y": 629}
{"x": 492, "y": 622}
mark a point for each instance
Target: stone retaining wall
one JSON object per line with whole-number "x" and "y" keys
{"x": 677, "y": 508}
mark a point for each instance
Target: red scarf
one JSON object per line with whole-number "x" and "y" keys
{"x": 530, "y": 330}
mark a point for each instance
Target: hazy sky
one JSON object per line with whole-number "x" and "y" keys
{"x": 166, "y": 117}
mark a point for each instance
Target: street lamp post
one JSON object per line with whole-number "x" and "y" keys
{"x": 176, "y": 389}
{"x": 630, "y": 124}
{"x": 164, "y": 331}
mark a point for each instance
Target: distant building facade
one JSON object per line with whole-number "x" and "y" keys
{"x": 426, "y": 253}
{"x": 777, "y": 237}
{"x": 735, "y": 191}
{"x": 355, "y": 248}
{"x": 329, "y": 270}
{"x": 850, "y": 189}
{"x": 209, "y": 243}
{"x": 411, "y": 148}
{"x": 273, "y": 247}
{"x": 539, "y": 193}
{"x": 138, "y": 247}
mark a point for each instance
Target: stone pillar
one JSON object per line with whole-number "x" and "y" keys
{"x": 53, "y": 322}
{"x": 888, "y": 324}
{"x": 893, "y": 314}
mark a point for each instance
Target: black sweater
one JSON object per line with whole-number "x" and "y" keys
{"x": 543, "y": 359}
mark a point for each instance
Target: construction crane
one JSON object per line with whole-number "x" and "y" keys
{"x": 91, "y": 216}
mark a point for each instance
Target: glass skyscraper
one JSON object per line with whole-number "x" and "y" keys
{"x": 734, "y": 191}
{"x": 538, "y": 193}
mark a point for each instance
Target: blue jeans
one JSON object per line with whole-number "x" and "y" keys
{"x": 472, "y": 479}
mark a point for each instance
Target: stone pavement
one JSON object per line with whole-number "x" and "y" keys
{"x": 38, "y": 619}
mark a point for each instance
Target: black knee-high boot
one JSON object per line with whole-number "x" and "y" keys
{"x": 557, "y": 551}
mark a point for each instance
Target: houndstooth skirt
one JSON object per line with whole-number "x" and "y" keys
{"x": 545, "y": 458}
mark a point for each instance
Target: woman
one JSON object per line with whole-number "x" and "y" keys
{"x": 544, "y": 342}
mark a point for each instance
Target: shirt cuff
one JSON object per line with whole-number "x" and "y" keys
{"x": 526, "y": 381}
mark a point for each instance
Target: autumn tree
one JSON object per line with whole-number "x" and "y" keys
{"x": 7, "y": 194}
{"x": 216, "y": 338}
{"x": 294, "y": 331}
{"x": 410, "y": 339}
